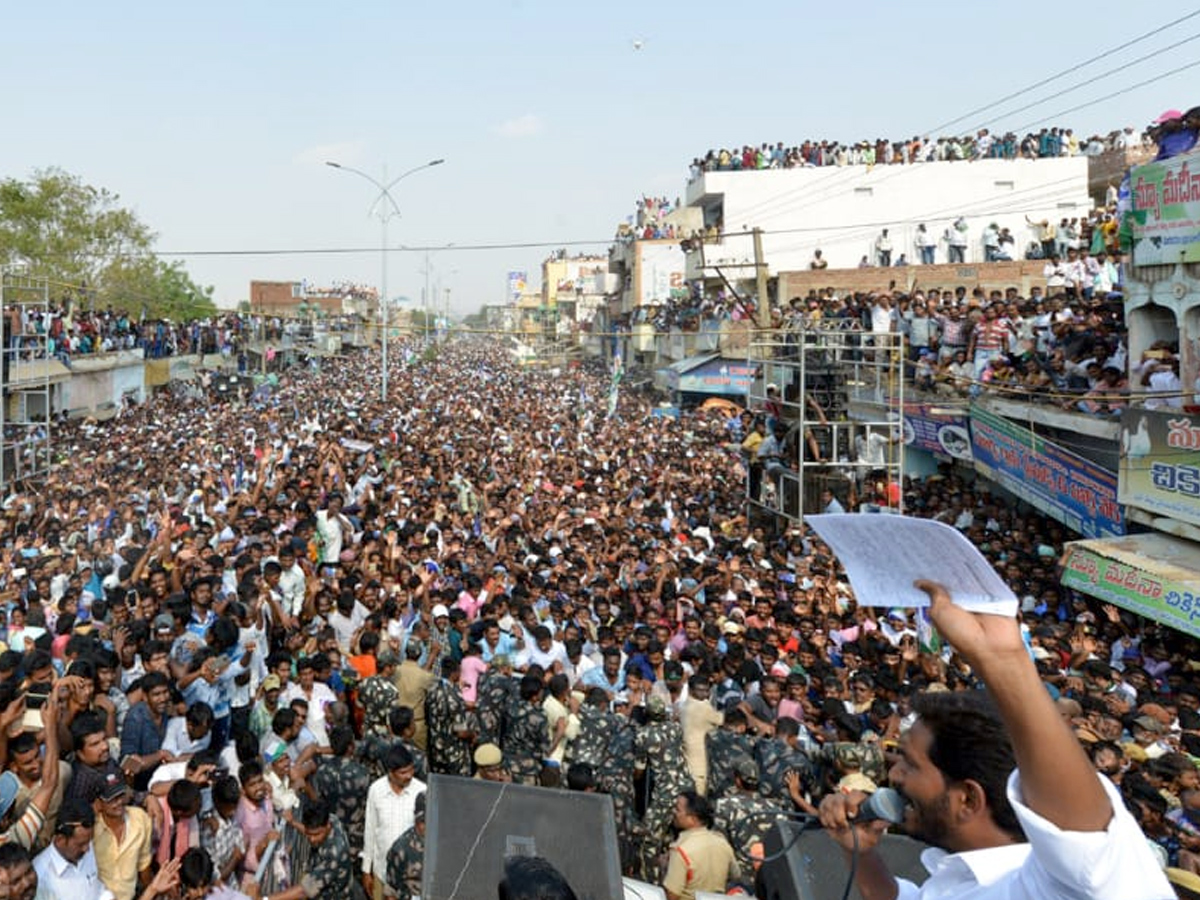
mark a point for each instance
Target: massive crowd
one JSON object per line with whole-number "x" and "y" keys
{"x": 240, "y": 637}
{"x": 983, "y": 144}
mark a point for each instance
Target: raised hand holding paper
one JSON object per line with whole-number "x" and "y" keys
{"x": 884, "y": 555}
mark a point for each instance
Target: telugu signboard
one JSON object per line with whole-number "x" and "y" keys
{"x": 1062, "y": 484}
{"x": 1166, "y": 211}
{"x": 1151, "y": 575}
{"x": 1160, "y": 463}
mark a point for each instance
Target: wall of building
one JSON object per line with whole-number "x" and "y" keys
{"x": 841, "y": 211}
{"x": 989, "y": 276}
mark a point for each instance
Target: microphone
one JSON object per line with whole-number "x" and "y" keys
{"x": 884, "y": 805}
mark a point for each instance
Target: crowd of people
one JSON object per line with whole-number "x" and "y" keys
{"x": 241, "y": 637}
{"x": 63, "y": 332}
{"x": 1066, "y": 344}
{"x": 1045, "y": 143}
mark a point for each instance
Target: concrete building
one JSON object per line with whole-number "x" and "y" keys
{"x": 841, "y": 211}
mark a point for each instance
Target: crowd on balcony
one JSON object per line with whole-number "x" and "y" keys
{"x": 62, "y": 333}
{"x": 1044, "y": 144}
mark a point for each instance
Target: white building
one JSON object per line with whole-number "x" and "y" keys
{"x": 842, "y": 210}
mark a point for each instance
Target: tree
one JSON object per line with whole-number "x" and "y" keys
{"x": 91, "y": 249}
{"x": 152, "y": 288}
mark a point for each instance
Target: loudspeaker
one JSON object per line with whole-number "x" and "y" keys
{"x": 472, "y": 825}
{"x": 815, "y": 868}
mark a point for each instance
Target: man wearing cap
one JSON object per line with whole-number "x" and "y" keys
{"x": 489, "y": 764}
{"x": 406, "y": 858}
{"x": 67, "y": 868}
{"x": 744, "y": 817}
{"x": 122, "y": 840}
{"x": 266, "y": 707}
{"x": 377, "y": 695}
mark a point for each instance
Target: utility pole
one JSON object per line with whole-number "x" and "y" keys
{"x": 762, "y": 314}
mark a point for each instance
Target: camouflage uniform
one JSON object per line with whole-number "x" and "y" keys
{"x": 724, "y": 746}
{"x": 590, "y": 746}
{"x": 745, "y": 818}
{"x": 775, "y": 759}
{"x": 405, "y": 864}
{"x": 446, "y": 714}
{"x": 659, "y": 745}
{"x": 527, "y": 742}
{"x": 845, "y": 757}
{"x": 331, "y": 872}
{"x": 343, "y": 783}
{"x": 494, "y": 699}
{"x": 377, "y": 696}
{"x": 606, "y": 743}
{"x": 374, "y": 747}
{"x": 615, "y": 777}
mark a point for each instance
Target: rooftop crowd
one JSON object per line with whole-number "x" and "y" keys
{"x": 240, "y": 638}
{"x": 1046, "y": 143}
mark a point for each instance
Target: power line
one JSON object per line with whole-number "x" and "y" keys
{"x": 1068, "y": 71}
{"x": 1126, "y": 90}
{"x": 1103, "y": 75}
{"x": 407, "y": 248}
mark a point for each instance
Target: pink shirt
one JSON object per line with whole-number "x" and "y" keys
{"x": 468, "y": 604}
{"x": 472, "y": 668}
{"x": 255, "y": 822}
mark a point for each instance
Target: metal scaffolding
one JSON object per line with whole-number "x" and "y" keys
{"x": 838, "y": 392}
{"x": 28, "y": 374}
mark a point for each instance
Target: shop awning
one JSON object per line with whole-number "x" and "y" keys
{"x": 708, "y": 374}
{"x": 1154, "y": 575}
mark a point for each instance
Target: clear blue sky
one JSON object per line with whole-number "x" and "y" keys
{"x": 213, "y": 120}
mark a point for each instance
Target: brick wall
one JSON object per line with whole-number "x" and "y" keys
{"x": 1020, "y": 274}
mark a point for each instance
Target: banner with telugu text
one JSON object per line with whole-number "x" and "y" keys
{"x": 1064, "y": 485}
{"x": 1137, "y": 590}
{"x": 1166, "y": 211}
{"x": 1160, "y": 463}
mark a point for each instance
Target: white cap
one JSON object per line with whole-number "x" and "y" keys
{"x": 440, "y": 611}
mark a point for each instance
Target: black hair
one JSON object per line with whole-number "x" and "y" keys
{"x": 85, "y": 725}
{"x": 13, "y": 854}
{"x": 399, "y": 719}
{"x": 249, "y": 770}
{"x": 226, "y": 790}
{"x": 200, "y": 714}
{"x": 532, "y": 878}
{"x": 341, "y": 738}
{"x": 196, "y": 868}
{"x": 699, "y": 807}
{"x": 397, "y": 757}
{"x": 75, "y": 812}
{"x": 315, "y": 814}
{"x": 183, "y": 797}
{"x": 531, "y": 686}
{"x": 970, "y": 743}
{"x": 581, "y": 777}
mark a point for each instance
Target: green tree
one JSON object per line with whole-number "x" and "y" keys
{"x": 93, "y": 250}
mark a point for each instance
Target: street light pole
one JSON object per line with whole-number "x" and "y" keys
{"x": 386, "y": 211}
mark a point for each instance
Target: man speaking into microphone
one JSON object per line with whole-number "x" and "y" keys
{"x": 1001, "y": 788}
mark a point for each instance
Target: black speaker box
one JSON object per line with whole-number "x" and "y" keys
{"x": 472, "y": 825}
{"x": 815, "y": 868}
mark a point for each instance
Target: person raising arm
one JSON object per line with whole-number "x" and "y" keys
{"x": 1051, "y": 830}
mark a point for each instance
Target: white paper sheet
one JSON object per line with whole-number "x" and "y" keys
{"x": 884, "y": 555}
